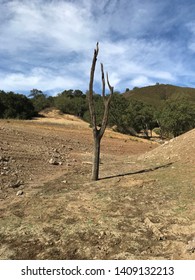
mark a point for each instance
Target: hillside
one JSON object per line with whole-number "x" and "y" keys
{"x": 156, "y": 94}
{"x": 180, "y": 149}
{"x": 53, "y": 115}
{"x": 141, "y": 208}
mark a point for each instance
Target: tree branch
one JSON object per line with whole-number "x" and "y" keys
{"x": 103, "y": 81}
{"x": 106, "y": 108}
{"x": 90, "y": 95}
{"x": 110, "y": 87}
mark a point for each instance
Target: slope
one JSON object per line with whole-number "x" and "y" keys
{"x": 61, "y": 214}
{"x": 180, "y": 149}
{"x": 157, "y": 94}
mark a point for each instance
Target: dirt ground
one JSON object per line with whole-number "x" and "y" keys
{"x": 141, "y": 208}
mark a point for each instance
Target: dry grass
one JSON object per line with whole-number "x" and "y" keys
{"x": 63, "y": 215}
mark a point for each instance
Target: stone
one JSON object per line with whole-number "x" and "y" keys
{"x": 20, "y": 192}
{"x": 191, "y": 246}
{"x": 87, "y": 162}
{"x": 15, "y": 185}
{"x": 53, "y": 161}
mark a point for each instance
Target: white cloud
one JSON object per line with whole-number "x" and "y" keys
{"x": 135, "y": 58}
{"x": 140, "y": 81}
{"x": 41, "y": 79}
{"x": 56, "y": 25}
{"x": 49, "y": 44}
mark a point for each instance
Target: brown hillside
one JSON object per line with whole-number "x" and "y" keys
{"x": 50, "y": 209}
{"x": 52, "y": 115}
{"x": 180, "y": 149}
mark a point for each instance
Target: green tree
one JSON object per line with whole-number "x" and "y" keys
{"x": 79, "y": 106}
{"x": 2, "y": 103}
{"x": 177, "y": 117}
{"x": 99, "y": 109}
{"x": 64, "y": 103}
{"x": 15, "y": 106}
{"x": 40, "y": 100}
{"x": 117, "y": 113}
{"x": 140, "y": 116}
{"x": 71, "y": 102}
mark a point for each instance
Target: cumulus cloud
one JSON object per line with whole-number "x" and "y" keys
{"x": 48, "y": 44}
{"x": 40, "y": 78}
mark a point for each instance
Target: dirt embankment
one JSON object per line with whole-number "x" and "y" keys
{"x": 180, "y": 149}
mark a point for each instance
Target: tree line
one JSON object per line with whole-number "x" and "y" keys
{"x": 172, "y": 118}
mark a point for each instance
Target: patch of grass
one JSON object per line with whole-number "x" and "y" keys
{"x": 180, "y": 209}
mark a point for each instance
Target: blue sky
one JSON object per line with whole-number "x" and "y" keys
{"x": 48, "y": 44}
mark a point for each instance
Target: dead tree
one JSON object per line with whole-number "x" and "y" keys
{"x": 98, "y": 132}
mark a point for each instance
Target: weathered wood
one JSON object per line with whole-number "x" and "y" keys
{"x": 96, "y": 159}
{"x": 98, "y": 132}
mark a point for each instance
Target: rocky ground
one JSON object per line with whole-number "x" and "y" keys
{"x": 141, "y": 208}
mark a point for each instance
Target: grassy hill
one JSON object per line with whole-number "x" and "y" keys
{"x": 157, "y": 94}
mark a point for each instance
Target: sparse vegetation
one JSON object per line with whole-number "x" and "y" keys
{"x": 61, "y": 214}
{"x": 167, "y": 108}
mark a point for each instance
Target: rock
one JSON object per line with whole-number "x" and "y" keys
{"x": 87, "y": 162}
{"x": 4, "y": 159}
{"x": 20, "y": 192}
{"x": 53, "y": 161}
{"x": 191, "y": 246}
{"x": 15, "y": 185}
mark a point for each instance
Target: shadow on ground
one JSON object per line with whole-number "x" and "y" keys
{"x": 138, "y": 172}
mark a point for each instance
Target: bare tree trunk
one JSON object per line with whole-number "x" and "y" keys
{"x": 98, "y": 132}
{"x": 96, "y": 159}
